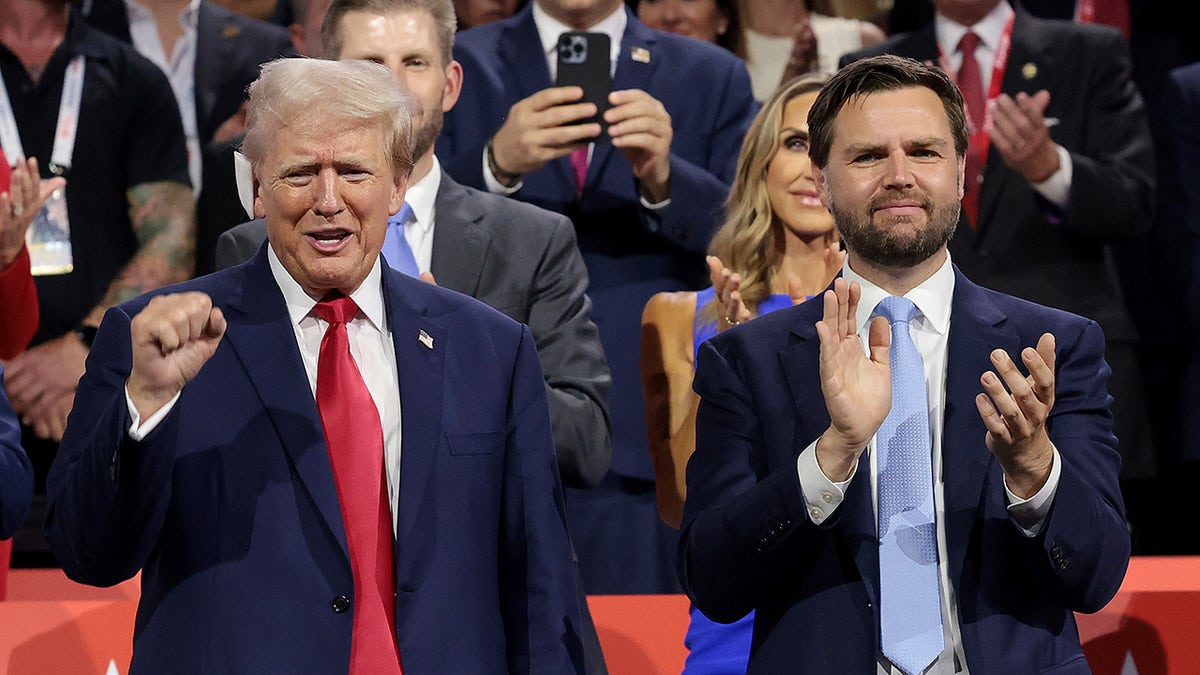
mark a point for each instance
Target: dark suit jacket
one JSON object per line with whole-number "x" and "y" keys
{"x": 522, "y": 261}
{"x": 748, "y": 543}
{"x": 630, "y": 253}
{"x": 229, "y": 507}
{"x": 16, "y": 473}
{"x": 229, "y": 50}
{"x": 1026, "y": 247}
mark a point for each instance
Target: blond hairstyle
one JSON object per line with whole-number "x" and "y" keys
{"x": 745, "y": 241}
{"x": 358, "y": 92}
{"x": 442, "y": 12}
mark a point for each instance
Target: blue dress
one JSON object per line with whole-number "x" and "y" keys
{"x": 719, "y": 648}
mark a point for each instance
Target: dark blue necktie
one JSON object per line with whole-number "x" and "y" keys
{"x": 396, "y": 250}
{"x": 910, "y": 613}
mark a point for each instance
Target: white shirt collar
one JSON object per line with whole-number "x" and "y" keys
{"x": 549, "y": 29}
{"x": 187, "y": 17}
{"x": 368, "y": 297}
{"x": 989, "y": 29}
{"x": 421, "y": 194}
{"x": 932, "y": 297}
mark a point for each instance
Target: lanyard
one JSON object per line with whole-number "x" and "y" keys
{"x": 65, "y": 130}
{"x": 980, "y": 138}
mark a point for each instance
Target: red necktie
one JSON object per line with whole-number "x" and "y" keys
{"x": 970, "y": 82}
{"x": 579, "y": 166}
{"x": 354, "y": 437}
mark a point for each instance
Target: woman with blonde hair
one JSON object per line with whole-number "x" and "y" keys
{"x": 776, "y": 248}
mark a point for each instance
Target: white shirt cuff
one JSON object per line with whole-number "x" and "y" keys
{"x": 494, "y": 185}
{"x": 821, "y": 495}
{"x": 138, "y": 429}
{"x": 1057, "y": 188}
{"x": 658, "y": 206}
{"x": 1029, "y": 515}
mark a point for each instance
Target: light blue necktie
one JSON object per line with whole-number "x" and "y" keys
{"x": 909, "y": 605}
{"x": 396, "y": 250}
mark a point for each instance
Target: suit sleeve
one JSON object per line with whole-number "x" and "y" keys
{"x": 539, "y": 597}
{"x": 576, "y": 372}
{"x": 1178, "y": 220}
{"x": 236, "y": 246}
{"x": 107, "y": 494}
{"x": 1112, "y": 183}
{"x": 1085, "y": 547}
{"x": 698, "y": 191}
{"x": 745, "y": 531}
{"x": 16, "y": 473}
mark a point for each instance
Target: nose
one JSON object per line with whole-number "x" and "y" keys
{"x": 328, "y": 200}
{"x": 899, "y": 174}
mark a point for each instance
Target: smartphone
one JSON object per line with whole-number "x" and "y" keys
{"x": 583, "y": 61}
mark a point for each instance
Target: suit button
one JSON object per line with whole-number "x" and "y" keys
{"x": 340, "y": 604}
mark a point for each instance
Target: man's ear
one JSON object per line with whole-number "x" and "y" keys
{"x": 822, "y": 187}
{"x": 962, "y": 177}
{"x": 454, "y": 80}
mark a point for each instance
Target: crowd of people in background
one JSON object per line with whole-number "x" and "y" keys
{"x": 624, "y": 245}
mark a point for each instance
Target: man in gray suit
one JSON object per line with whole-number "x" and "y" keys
{"x": 518, "y": 258}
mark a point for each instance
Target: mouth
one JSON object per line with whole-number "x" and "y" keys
{"x": 901, "y": 208}
{"x": 809, "y": 198}
{"x": 328, "y": 241}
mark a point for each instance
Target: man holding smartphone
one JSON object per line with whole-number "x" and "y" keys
{"x": 644, "y": 198}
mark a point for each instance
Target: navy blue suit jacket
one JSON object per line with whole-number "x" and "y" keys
{"x": 748, "y": 543}
{"x": 229, "y": 507}
{"x": 16, "y": 473}
{"x": 1026, "y": 247}
{"x": 630, "y": 252}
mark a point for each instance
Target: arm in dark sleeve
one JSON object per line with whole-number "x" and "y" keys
{"x": 16, "y": 473}
{"x": 1084, "y": 550}
{"x": 239, "y": 244}
{"x": 1112, "y": 183}
{"x": 539, "y": 597}
{"x": 108, "y": 495}
{"x": 1178, "y": 220}
{"x": 746, "y": 530}
{"x": 698, "y": 191}
{"x": 576, "y": 372}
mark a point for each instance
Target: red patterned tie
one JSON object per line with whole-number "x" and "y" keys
{"x": 354, "y": 437}
{"x": 579, "y": 167}
{"x": 970, "y": 82}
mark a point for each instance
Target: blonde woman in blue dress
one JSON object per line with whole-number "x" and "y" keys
{"x": 777, "y": 247}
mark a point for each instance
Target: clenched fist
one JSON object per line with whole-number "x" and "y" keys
{"x": 172, "y": 339}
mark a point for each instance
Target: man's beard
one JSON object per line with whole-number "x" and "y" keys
{"x": 878, "y": 244}
{"x": 425, "y": 134}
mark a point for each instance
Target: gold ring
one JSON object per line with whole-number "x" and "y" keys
{"x": 730, "y": 321}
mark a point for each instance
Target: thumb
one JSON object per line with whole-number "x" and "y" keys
{"x": 427, "y": 277}
{"x": 879, "y": 340}
{"x": 796, "y": 289}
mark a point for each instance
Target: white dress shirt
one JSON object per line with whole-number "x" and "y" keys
{"x": 179, "y": 66}
{"x": 930, "y": 330}
{"x": 370, "y": 344}
{"x": 1057, "y": 188}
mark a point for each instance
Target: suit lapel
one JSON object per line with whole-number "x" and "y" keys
{"x": 977, "y": 327}
{"x": 259, "y": 328}
{"x": 460, "y": 243}
{"x": 801, "y": 368}
{"x": 420, "y": 364}
{"x": 1027, "y": 70}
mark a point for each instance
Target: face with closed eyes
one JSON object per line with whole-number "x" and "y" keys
{"x": 790, "y": 187}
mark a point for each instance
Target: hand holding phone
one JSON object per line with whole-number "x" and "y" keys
{"x": 584, "y": 61}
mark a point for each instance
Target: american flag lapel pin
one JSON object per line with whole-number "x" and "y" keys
{"x": 425, "y": 339}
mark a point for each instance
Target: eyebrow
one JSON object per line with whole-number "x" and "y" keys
{"x": 911, "y": 144}
{"x": 793, "y": 130}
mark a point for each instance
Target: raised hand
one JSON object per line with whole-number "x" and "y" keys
{"x": 857, "y": 387}
{"x": 725, "y": 285}
{"x": 1019, "y": 133}
{"x": 539, "y": 129}
{"x": 640, "y": 127}
{"x": 18, "y": 207}
{"x": 172, "y": 338}
{"x": 1014, "y": 409}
